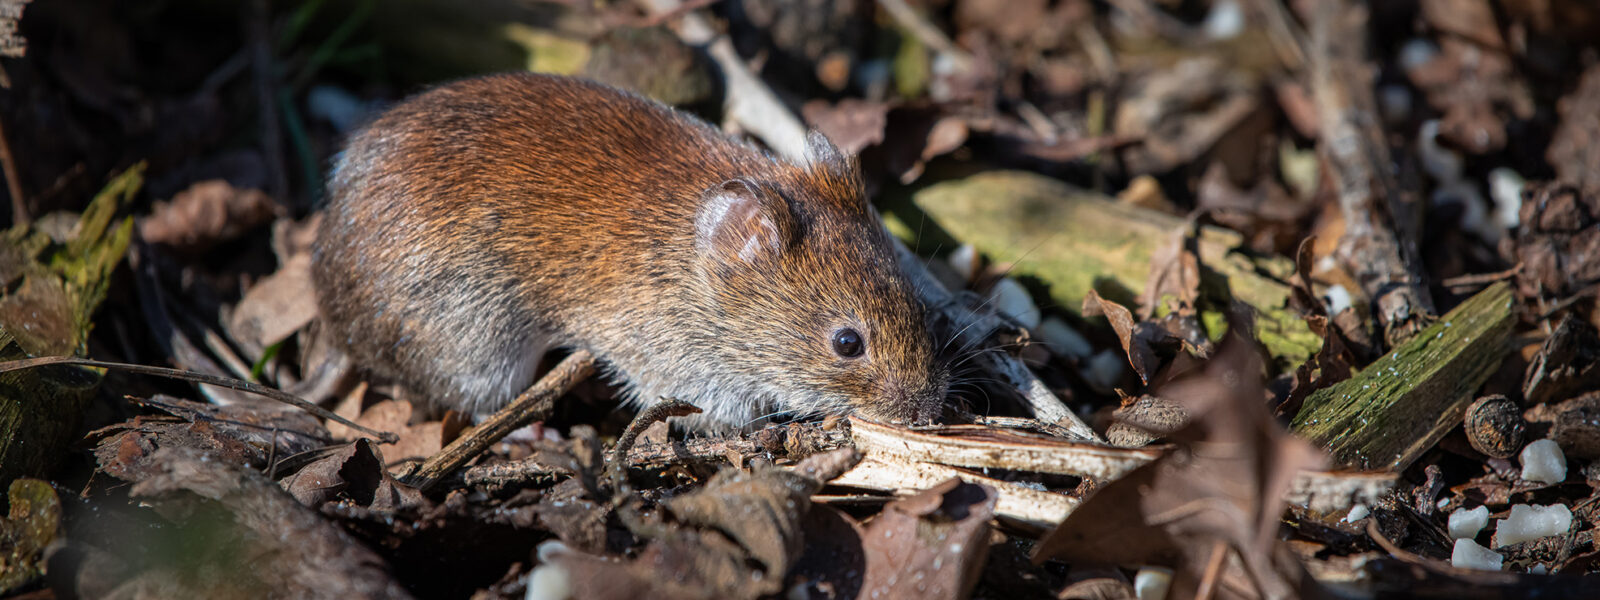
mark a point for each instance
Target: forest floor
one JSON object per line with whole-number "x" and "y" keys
{"x": 1272, "y": 299}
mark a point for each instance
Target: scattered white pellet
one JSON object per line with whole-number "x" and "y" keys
{"x": 1442, "y": 163}
{"x": 1337, "y": 297}
{"x": 1357, "y": 513}
{"x": 1539, "y": 569}
{"x": 1225, "y": 20}
{"x": 1394, "y": 102}
{"x": 1505, "y": 187}
{"x": 548, "y": 550}
{"x": 1012, "y": 300}
{"x": 965, "y": 261}
{"x": 1062, "y": 338}
{"x": 1474, "y": 209}
{"x": 1104, "y": 369}
{"x": 1152, "y": 583}
{"x": 1542, "y": 461}
{"x": 549, "y": 582}
{"x": 1465, "y": 524}
{"x": 1469, "y": 555}
{"x": 1531, "y": 523}
{"x": 1416, "y": 53}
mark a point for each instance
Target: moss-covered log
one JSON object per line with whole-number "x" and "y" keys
{"x": 51, "y": 292}
{"x": 1076, "y": 240}
{"x": 1399, "y": 406}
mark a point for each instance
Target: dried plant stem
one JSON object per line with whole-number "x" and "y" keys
{"x": 227, "y": 382}
{"x": 1378, "y": 246}
{"x": 19, "y": 205}
{"x": 533, "y": 404}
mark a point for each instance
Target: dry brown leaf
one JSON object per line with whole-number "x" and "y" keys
{"x": 207, "y": 213}
{"x": 1174, "y": 276}
{"x": 930, "y": 545}
{"x": 736, "y": 537}
{"x": 1137, "y": 338}
{"x": 851, "y": 124}
{"x": 1567, "y": 363}
{"x": 353, "y": 472}
{"x": 276, "y": 306}
{"x": 236, "y": 434}
{"x": 417, "y": 441}
{"x": 1224, "y": 484}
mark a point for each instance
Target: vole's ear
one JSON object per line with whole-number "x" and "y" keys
{"x": 741, "y": 222}
{"x": 823, "y": 154}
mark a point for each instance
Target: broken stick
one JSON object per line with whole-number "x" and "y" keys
{"x": 532, "y": 405}
{"x": 1379, "y": 245}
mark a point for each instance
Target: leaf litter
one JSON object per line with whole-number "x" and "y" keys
{"x": 174, "y": 496}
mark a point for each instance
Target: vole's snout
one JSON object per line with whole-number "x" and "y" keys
{"x": 917, "y": 402}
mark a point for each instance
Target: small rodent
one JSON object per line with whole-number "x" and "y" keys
{"x": 475, "y": 225}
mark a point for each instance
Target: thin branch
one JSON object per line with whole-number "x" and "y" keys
{"x": 532, "y": 405}
{"x": 227, "y": 382}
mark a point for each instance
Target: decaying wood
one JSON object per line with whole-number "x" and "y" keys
{"x": 756, "y": 108}
{"x": 981, "y": 447}
{"x": 52, "y": 292}
{"x": 1336, "y": 492}
{"x": 293, "y": 552}
{"x": 1076, "y": 241}
{"x": 1400, "y": 405}
{"x": 532, "y": 405}
{"x": 1378, "y": 246}
{"x": 1020, "y": 504}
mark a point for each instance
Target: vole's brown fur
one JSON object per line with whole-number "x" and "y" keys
{"x": 473, "y": 225}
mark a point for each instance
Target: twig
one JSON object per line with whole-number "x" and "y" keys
{"x": 530, "y": 406}
{"x": 19, "y": 206}
{"x": 616, "y": 464}
{"x": 227, "y": 382}
{"x": 748, "y": 101}
{"x": 1478, "y": 280}
{"x": 925, "y": 32}
{"x": 1374, "y": 204}
{"x": 266, "y": 100}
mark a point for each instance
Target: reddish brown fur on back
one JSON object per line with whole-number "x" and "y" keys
{"x": 475, "y": 224}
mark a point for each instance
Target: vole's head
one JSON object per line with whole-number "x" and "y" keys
{"x": 807, "y": 297}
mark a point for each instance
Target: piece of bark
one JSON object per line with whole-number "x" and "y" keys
{"x": 1077, "y": 241}
{"x": 1400, "y": 405}
{"x": 1378, "y": 246}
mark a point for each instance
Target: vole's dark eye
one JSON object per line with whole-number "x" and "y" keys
{"x": 847, "y": 343}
